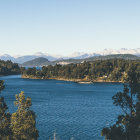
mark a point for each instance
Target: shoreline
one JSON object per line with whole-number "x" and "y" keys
{"x": 80, "y": 81}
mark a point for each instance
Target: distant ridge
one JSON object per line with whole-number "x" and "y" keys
{"x": 44, "y": 62}
{"x": 36, "y": 62}
{"x": 115, "y": 56}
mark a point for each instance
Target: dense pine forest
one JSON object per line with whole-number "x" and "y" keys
{"x": 8, "y": 68}
{"x": 115, "y": 70}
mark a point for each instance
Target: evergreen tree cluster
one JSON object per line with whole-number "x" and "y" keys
{"x": 127, "y": 126}
{"x": 107, "y": 70}
{"x": 8, "y": 68}
{"x": 20, "y": 125}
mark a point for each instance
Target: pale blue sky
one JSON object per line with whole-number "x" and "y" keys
{"x": 67, "y": 26}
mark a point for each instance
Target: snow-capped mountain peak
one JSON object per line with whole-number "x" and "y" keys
{"x": 76, "y": 55}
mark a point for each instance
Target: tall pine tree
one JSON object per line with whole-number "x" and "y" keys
{"x": 23, "y": 121}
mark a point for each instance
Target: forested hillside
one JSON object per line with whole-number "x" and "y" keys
{"x": 36, "y": 62}
{"x": 114, "y": 70}
{"x": 8, "y": 68}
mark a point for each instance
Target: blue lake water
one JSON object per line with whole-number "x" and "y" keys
{"x": 67, "y": 108}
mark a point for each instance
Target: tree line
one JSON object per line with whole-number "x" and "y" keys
{"x": 8, "y": 68}
{"x": 107, "y": 70}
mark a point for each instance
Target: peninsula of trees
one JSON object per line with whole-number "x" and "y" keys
{"x": 115, "y": 70}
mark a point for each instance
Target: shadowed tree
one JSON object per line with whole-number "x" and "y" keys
{"x": 5, "y": 131}
{"x": 127, "y": 126}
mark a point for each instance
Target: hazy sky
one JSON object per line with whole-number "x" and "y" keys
{"x": 67, "y": 26}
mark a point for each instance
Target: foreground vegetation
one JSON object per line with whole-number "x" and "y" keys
{"x": 20, "y": 125}
{"x": 8, "y": 68}
{"x": 127, "y": 126}
{"x": 115, "y": 70}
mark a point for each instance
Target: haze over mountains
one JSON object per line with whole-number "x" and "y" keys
{"x": 41, "y": 61}
{"x": 78, "y": 55}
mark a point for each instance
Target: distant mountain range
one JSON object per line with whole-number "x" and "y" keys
{"x": 22, "y": 59}
{"x": 44, "y": 62}
{"x": 25, "y": 58}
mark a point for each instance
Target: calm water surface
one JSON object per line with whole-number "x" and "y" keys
{"x": 67, "y": 108}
